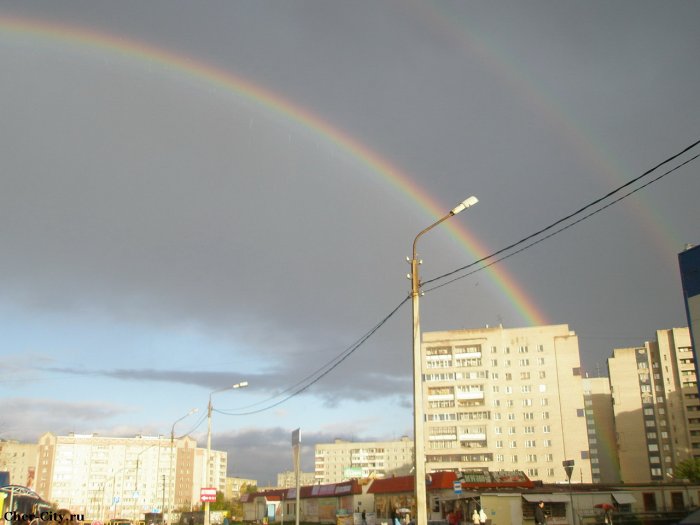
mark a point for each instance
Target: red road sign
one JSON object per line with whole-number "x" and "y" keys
{"x": 207, "y": 494}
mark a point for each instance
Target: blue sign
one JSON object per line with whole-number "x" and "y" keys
{"x": 457, "y": 485}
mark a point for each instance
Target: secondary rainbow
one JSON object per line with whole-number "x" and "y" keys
{"x": 82, "y": 36}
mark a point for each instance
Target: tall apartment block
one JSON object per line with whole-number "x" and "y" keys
{"x": 288, "y": 479}
{"x": 106, "y": 477}
{"x": 600, "y": 423}
{"x": 689, "y": 264}
{"x": 656, "y": 406}
{"x": 505, "y": 399}
{"x": 19, "y": 459}
{"x": 343, "y": 460}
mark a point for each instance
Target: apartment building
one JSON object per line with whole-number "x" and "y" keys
{"x": 105, "y": 477}
{"x": 236, "y": 486}
{"x": 344, "y": 460}
{"x": 600, "y": 425}
{"x": 288, "y": 479}
{"x": 689, "y": 265}
{"x": 505, "y": 399}
{"x": 19, "y": 459}
{"x": 656, "y": 406}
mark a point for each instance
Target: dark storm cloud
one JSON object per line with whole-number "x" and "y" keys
{"x": 363, "y": 386}
{"x": 28, "y": 418}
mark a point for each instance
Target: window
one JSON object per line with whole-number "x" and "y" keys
{"x": 509, "y": 376}
{"x": 511, "y": 417}
{"x": 580, "y": 412}
{"x": 532, "y": 458}
{"x": 499, "y": 444}
{"x": 524, "y": 362}
{"x": 509, "y": 403}
{"x": 529, "y": 430}
{"x": 513, "y": 444}
{"x": 528, "y": 415}
{"x": 542, "y": 374}
{"x": 494, "y": 362}
{"x": 545, "y": 415}
{"x": 540, "y": 361}
{"x": 540, "y": 348}
{"x": 527, "y": 402}
{"x": 497, "y": 430}
{"x": 543, "y": 388}
{"x": 547, "y": 443}
{"x": 524, "y": 375}
{"x": 530, "y": 443}
{"x": 494, "y": 389}
{"x": 544, "y": 402}
{"x": 526, "y": 389}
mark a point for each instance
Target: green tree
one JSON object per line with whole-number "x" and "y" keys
{"x": 688, "y": 469}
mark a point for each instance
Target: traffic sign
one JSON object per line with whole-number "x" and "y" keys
{"x": 207, "y": 494}
{"x": 457, "y": 486}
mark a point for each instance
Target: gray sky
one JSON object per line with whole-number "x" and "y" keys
{"x": 167, "y": 231}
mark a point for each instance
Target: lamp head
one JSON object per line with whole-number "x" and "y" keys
{"x": 471, "y": 201}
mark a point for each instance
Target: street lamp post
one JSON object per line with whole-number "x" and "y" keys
{"x": 242, "y": 384}
{"x": 418, "y": 412}
{"x": 168, "y": 517}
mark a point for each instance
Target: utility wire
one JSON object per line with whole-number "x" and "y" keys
{"x": 305, "y": 383}
{"x": 325, "y": 369}
{"x": 550, "y": 235}
{"x": 563, "y": 219}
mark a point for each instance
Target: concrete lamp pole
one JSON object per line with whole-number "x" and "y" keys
{"x": 418, "y": 412}
{"x": 242, "y": 384}
{"x": 169, "y": 516}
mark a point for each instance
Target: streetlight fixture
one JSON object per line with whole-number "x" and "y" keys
{"x": 418, "y": 412}
{"x": 170, "y": 482}
{"x": 242, "y": 384}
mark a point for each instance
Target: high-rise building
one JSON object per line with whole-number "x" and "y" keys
{"x": 505, "y": 399}
{"x": 656, "y": 406}
{"x": 689, "y": 264}
{"x": 600, "y": 424}
{"x": 19, "y": 459}
{"x": 343, "y": 460}
{"x": 105, "y": 477}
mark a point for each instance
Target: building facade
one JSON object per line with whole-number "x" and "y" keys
{"x": 288, "y": 479}
{"x": 236, "y": 486}
{"x": 600, "y": 424}
{"x": 656, "y": 406}
{"x": 689, "y": 264}
{"x": 344, "y": 460}
{"x": 505, "y": 399}
{"x": 19, "y": 459}
{"x": 106, "y": 477}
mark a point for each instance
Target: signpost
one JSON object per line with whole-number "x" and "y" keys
{"x": 207, "y": 494}
{"x": 457, "y": 486}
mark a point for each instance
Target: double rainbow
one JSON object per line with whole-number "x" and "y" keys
{"x": 22, "y": 27}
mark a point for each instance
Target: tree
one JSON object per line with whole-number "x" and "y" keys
{"x": 688, "y": 469}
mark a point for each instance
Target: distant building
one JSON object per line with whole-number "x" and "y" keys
{"x": 287, "y": 479}
{"x": 344, "y": 460}
{"x": 235, "y": 486}
{"x": 107, "y": 477}
{"x": 689, "y": 264}
{"x": 505, "y": 399}
{"x": 19, "y": 459}
{"x": 656, "y": 406}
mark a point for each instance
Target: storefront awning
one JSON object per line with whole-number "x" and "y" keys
{"x": 547, "y": 498}
{"x": 624, "y": 498}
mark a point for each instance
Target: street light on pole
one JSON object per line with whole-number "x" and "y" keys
{"x": 170, "y": 483}
{"x": 418, "y": 412}
{"x": 242, "y": 384}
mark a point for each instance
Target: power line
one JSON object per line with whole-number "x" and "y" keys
{"x": 571, "y": 215}
{"x": 306, "y": 382}
{"x": 324, "y": 370}
{"x": 533, "y": 243}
